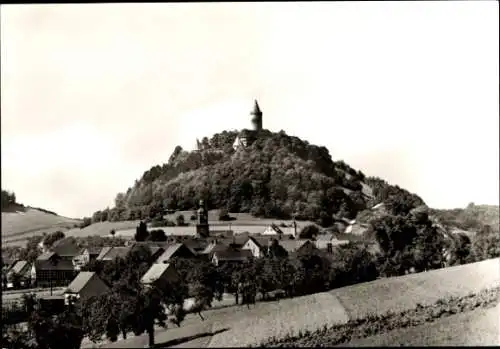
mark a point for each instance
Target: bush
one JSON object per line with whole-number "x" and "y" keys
{"x": 309, "y": 231}
{"x": 180, "y": 220}
{"x": 224, "y": 215}
{"x": 193, "y": 217}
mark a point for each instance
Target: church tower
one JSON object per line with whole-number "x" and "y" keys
{"x": 256, "y": 117}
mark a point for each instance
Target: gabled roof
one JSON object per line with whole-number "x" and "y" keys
{"x": 46, "y": 256}
{"x": 260, "y": 241}
{"x": 93, "y": 250}
{"x": 56, "y": 263}
{"x": 110, "y": 253}
{"x": 216, "y": 247}
{"x": 292, "y": 245}
{"x": 171, "y": 250}
{"x": 84, "y": 279}
{"x": 156, "y": 271}
{"x": 19, "y": 267}
{"x": 325, "y": 237}
{"x": 231, "y": 255}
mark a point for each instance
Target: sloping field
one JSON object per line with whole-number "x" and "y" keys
{"x": 477, "y": 327}
{"x": 274, "y": 319}
{"x": 405, "y": 292}
{"x": 19, "y": 226}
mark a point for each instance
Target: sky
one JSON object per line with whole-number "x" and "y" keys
{"x": 93, "y": 95}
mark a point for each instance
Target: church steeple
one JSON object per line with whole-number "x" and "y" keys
{"x": 256, "y": 117}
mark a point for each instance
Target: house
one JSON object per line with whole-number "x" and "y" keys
{"x": 327, "y": 241}
{"x": 215, "y": 246}
{"x": 178, "y": 250}
{"x": 156, "y": 249}
{"x": 50, "y": 269}
{"x": 159, "y": 275}
{"x": 195, "y": 245}
{"x": 108, "y": 254}
{"x": 86, "y": 284}
{"x": 273, "y": 229}
{"x": 258, "y": 245}
{"x": 21, "y": 269}
{"x": 297, "y": 247}
{"x": 230, "y": 256}
{"x": 86, "y": 256}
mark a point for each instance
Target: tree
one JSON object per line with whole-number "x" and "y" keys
{"x": 50, "y": 239}
{"x": 157, "y": 235}
{"x": 309, "y": 232}
{"x": 112, "y": 233}
{"x": 141, "y": 233}
{"x": 180, "y": 220}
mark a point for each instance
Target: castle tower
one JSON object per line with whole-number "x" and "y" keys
{"x": 202, "y": 228}
{"x": 256, "y": 117}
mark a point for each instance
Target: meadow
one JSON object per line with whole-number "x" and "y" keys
{"x": 252, "y": 325}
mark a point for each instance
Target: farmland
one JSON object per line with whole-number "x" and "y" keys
{"x": 275, "y": 319}
{"x": 18, "y": 227}
{"x": 479, "y": 327}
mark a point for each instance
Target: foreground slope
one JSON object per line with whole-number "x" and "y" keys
{"x": 252, "y": 326}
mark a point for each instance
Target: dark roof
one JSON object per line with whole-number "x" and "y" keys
{"x": 93, "y": 250}
{"x": 195, "y": 244}
{"x": 231, "y": 255}
{"x": 156, "y": 271}
{"x": 84, "y": 279}
{"x": 60, "y": 264}
{"x": 325, "y": 237}
{"x": 292, "y": 245}
{"x": 171, "y": 250}
{"x": 216, "y": 247}
{"x": 261, "y": 241}
{"x": 46, "y": 256}
{"x": 110, "y": 253}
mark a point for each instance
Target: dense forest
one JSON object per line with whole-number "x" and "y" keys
{"x": 277, "y": 176}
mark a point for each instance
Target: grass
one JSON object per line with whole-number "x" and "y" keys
{"x": 32, "y": 222}
{"x": 479, "y": 327}
{"x": 18, "y": 227}
{"x": 375, "y": 324}
{"x": 405, "y": 292}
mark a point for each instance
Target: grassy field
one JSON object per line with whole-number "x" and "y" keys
{"x": 18, "y": 227}
{"x": 405, "y": 292}
{"x": 33, "y": 222}
{"x": 480, "y": 327}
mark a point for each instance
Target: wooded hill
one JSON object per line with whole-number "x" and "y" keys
{"x": 276, "y": 176}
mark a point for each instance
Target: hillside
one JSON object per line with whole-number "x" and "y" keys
{"x": 276, "y": 176}
{"x": 20, "y": 222}
{"x": 472, "y": 218}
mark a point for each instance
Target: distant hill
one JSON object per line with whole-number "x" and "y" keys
{"x": 274, "y": 176}
{"x": 21, "y": 222}
{"x": 471, "y": 218}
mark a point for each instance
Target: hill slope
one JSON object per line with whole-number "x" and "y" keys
{"x": 24, "y": 222}
{"x": 473, "y": 217}
{"x": 276, "y": 176}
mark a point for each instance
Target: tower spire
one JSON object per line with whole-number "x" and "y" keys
{"x": 256, "y": 116}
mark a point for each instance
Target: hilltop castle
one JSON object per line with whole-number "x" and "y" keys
{"x": 246, "y": 137}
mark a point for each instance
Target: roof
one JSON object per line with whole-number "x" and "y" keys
{"x": 256, "y": 109}
{"x": 195, "y": 244}
{"x": 93, "y": 250}
{"x": 156, "y": 271}
{"x": 46, "y": 256}
{"x": 110, "y": 253}
{"x": 169, "y": 252}
{"x": 292, "y": 245}
{"x": 84, "y": 279}
{"x": 261, "y": 241}
{"x": 19, "y": 266}
{"x": 60, "y": 264}
{"x": 66, "y": 248}
{"x": 231, "y": 255}
{"x": 325, "y": 237}
{"x": 275, "y": 228}
{"x": 216, "y": 247}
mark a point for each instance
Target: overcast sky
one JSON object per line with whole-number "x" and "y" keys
{"x": 93, "y": 95}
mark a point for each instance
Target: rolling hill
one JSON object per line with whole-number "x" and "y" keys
{"x": 22, "y": 222}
